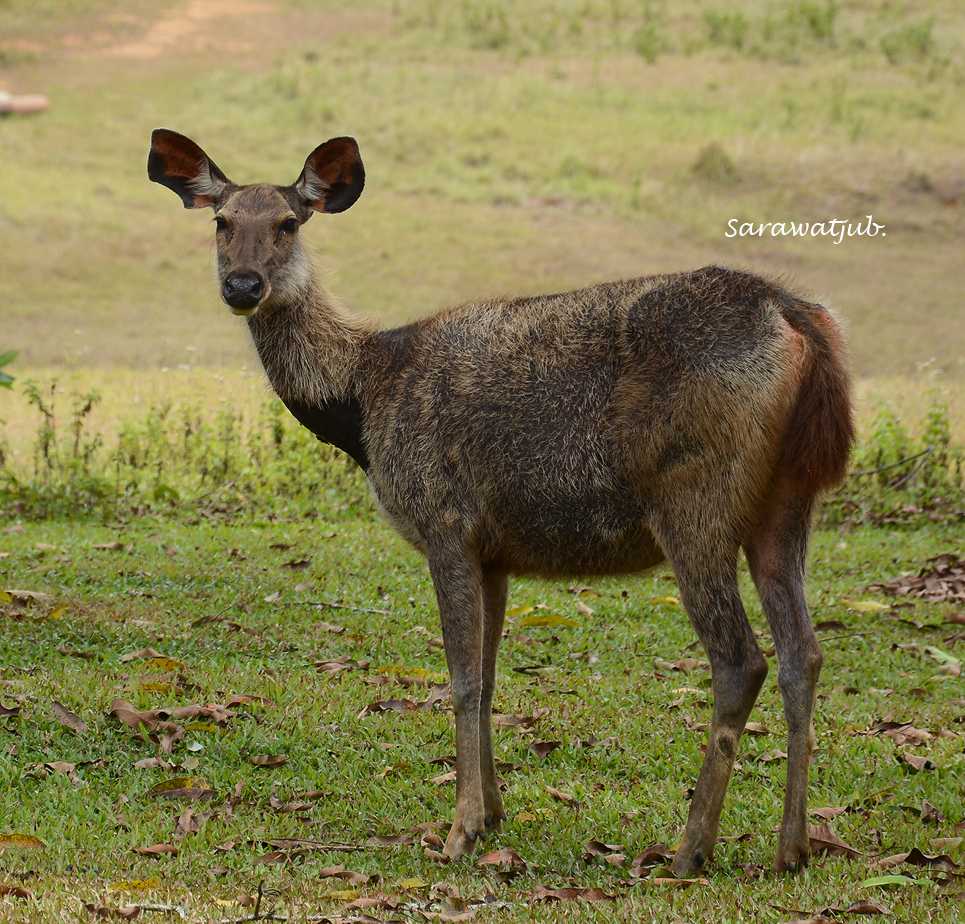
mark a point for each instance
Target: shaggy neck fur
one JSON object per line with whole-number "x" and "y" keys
{"x": 308, "y": 344}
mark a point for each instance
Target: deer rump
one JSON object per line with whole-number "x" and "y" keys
{"x": 548, "y": 431}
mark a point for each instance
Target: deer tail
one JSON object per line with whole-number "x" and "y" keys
{"x": 820, "y": 431}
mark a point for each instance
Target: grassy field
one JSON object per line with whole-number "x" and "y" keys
{"x": 188, "y": 548}
{"x": 226, "y": 613}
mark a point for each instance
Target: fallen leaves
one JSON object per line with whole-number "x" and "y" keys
{"x": 437, "y": 695}
{"x": 940, "y": 580}
{"x": 123, "y": 913}
{"x": 915, "y": 857}
{"x": 268, "y": 760}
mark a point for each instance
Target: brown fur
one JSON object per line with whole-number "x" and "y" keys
{"x": 600, "y": 431}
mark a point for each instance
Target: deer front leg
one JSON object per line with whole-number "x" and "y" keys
{"x": 458, "y": 584}
{"x": 494, "y": 609}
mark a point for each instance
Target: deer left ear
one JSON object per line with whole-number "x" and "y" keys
{"x": 177, "y": 162}
{"x": 333, "y": 176}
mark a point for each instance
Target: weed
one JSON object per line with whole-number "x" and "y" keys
{"x": 912, "y": 42}
{"x": 727, "y": 28}
{"x": 715, "y": 165}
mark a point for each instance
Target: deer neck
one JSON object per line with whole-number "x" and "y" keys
{"x": 309, "y": 345}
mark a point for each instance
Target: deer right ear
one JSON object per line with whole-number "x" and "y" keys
{"x": 177, "y": 162}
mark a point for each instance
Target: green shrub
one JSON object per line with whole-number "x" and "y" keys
{"x": 177, "y": 461}
{"x": 183, "y": 462}
{"x": 897, "y": 477}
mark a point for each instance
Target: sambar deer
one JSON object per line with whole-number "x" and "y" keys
{"x": 675, "y": 418}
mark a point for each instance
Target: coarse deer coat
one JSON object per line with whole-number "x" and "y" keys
{"x": 675, "y": 418}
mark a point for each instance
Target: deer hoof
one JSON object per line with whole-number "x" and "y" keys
{"x": 792, "y": 857}
{"x": 460, "y": 841}
{"x": 687, "y": 863}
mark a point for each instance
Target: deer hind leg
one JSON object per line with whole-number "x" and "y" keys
{"x": 494, "y": 609}
{"x": 776, "y": 555}
{"x": 707, "y": 577}
{"x": 458, "y": 583}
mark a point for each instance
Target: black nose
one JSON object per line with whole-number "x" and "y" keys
{"x": 242, "y": 290}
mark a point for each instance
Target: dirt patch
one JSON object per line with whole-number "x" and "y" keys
{"x": 194, "y": 27}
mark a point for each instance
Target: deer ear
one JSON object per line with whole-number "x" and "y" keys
{"x": 178, "y": 163}
{"x": 333, "y": 176}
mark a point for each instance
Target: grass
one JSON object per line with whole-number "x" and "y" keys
{"x": 597, "y": 675}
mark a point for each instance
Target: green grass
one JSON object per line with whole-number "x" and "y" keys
{"x": 597, "y": 678}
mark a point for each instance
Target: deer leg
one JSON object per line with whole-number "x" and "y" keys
{"x": 494, "y": 609}
{"x": 738, "y": 669}
{"x": 458, "y": 584}
{"x": 776, "y": 557}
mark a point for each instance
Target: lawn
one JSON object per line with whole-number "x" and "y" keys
{"x": 312, "y": 622}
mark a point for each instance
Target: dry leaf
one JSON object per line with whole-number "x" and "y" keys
{"x": 340, "y": 872}
{"x": 14, "y": 891}
{"x": 824, "y": 840}
{"x": 157, "y": 850}
{"x": 672, "y": 883}
{"x": 755, "y": 728}
{"x": 542, "y": 748}
{"x": 124, "y": 913}
{"x": 542, "y": 894}
{"x": 562, "y": 796}
{"x": 915, "y": 857}
{"x": 519, "y": 721}
{"x": 337, "y": 665}
{"x": 915, "y": 762}
{"x": 20, "y": 842}
{"x": 268, "y": 760}
{"x": 539, "y": 620}
{"x": 654, "y": 855}
{"x": 829, "y": 812}
{"x": 505, "y": 859}
{"x": 182, "y": 787}
{"x": 68, "y": 718}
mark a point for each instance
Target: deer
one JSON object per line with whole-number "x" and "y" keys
{"x": 673, "y": 419}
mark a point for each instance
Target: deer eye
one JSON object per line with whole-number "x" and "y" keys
{"x": 289, "y": 226}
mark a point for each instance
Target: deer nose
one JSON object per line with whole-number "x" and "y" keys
{"x": 242, "y": 290}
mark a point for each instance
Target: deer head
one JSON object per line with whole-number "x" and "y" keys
{"x": 261, "y": 261}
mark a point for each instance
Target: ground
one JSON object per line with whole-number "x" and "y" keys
{"x": 620, "y": 694}
{"x": 506, "y": 152}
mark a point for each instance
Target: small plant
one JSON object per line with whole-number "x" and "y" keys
{"x": 715, "y": 165}
{"x": 6, "y": 380}
{"x": 897, "y": 477}
{"x": 913, "y": 42}
{"x": 727, "y": 28}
